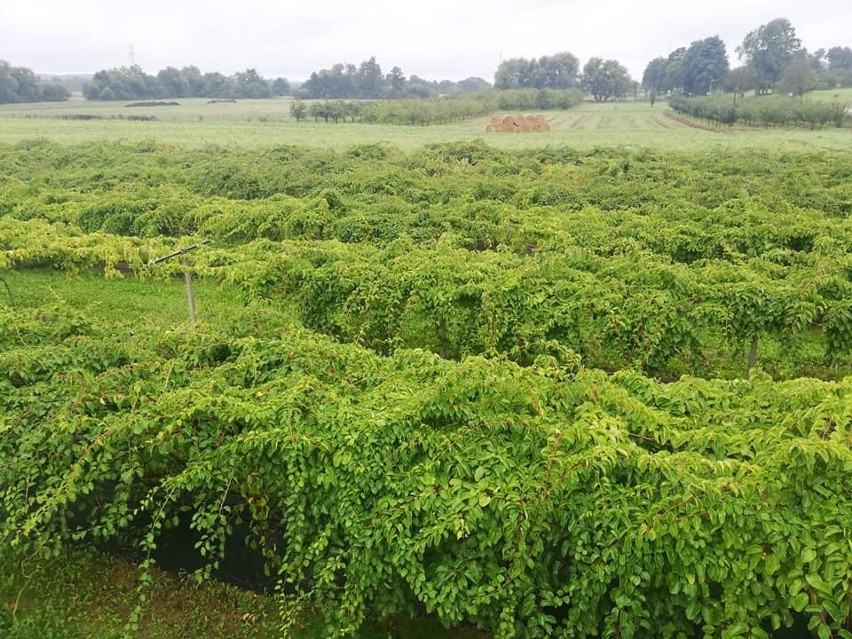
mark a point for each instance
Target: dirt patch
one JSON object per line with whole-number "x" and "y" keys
{"x": 153, "y": 103}
{"x": 85, "y": 117}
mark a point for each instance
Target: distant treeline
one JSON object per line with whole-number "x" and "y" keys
{"x": 366, "y": 81}
{"x": 602, "y": 79}
{"x": 131, "y": 83}
{"x": 775, "y": 62}
{"x": 436, "y": 110}
{"x": 777, "y": 111}
{"x": 20, "y": 84}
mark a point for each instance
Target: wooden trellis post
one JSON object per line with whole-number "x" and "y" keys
{"x": 187, "y": 274}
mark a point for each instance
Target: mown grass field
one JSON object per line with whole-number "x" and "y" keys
{"x": 258, "y": 123}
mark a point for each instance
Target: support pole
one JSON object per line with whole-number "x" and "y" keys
{"x": 8, "y": 291}
{"x": 752, "y": 356}
{"x": 190, "y": 295}
{"x": 187, "y": 274}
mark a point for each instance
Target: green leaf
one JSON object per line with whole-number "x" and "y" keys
{"x": 800, "y": 601}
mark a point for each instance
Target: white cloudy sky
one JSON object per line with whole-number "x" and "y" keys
{"x": 434, "y": 39}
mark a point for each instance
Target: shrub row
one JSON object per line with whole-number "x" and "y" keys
{"x": 768, "y": 111}
{"x": 439, "y": 110}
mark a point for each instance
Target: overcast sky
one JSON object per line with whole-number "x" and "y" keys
{"x": 434, "y": 39}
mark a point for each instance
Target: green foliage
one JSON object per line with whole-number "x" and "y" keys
{"x": 631, "y": 311}
{"x": 344, "y": 81}
{"x": 444, "y": 109}
{"x": 606, "y": 79}
{"x": 642, "y": 261}
{"x": 763, "y": 111}
{"x": 696, "y": 70}
{"x": 20, "y": 84}
{"x": 768, "y": 50}
{"x": 557, "y": 71}
{"x": 704, "y": 66}
{"x": 132, "y": 83}
{"x": 536, "y": 502}
{"x": 428, "y": 397}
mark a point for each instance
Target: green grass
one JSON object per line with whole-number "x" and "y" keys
{"x": 130, "y": 302}
{"x": 844, "y": 95}
{"x": 82, "y": 595}
{"x": 190, "y": 110}
{"x": 267, "y": 122}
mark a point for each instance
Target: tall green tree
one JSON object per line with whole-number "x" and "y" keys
{"x": 280, "y": 86}
{"x": 674, "y": 69}
{"x": 195, "y": 80}
{"x": 557, "y": 71}
{"x": 606, "y": 79}
{"x": 513, "y": 73}
{"x": 798, "y": 78}
{"x": 654, "y": 77}
{"x": 769, "y": 49}
{"x": 396, "y": 81}
{"x": 370, "y": 81}
{"x": 249, "y": 84}
{"x": 839, "y": 59}
{"x": 704, "y": 66}
{"x": 174, "y": 83}
{"x": 20, "y": 84}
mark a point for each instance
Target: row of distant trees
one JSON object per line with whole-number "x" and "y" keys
{"x": 132, "y": 83}
{"x": 602, "y": 79}
{"x": 367, "y": 81}
{"x": 19, "y": 84}
{"x": 773, "y": 57}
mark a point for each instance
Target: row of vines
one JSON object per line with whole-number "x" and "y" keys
{"x": 625, "y": 311}
{"x": 667, "y": 265}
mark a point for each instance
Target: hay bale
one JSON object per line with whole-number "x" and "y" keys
{"x": 517, "y": 124}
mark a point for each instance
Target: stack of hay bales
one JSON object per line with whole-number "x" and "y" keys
{"x": 517, "y": 124}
